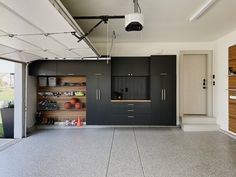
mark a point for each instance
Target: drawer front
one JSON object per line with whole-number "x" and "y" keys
{"x": 131, "y": 108}
{"x": 131, "y": 119}
{"x": 122, "y": 108}
{"x": 142, "y": 108}
{"x": 121, "y": 119}
{"x": 141, "y": 119}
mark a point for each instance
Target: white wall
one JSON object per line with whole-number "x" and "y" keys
{"x": 19, "y": 95}
{"x": 31, "y": 100}
{"x": 147, "y": 49}
{"x": 221, "y": 70}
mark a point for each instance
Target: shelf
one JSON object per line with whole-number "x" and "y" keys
{"x": 60, "y": 97}
{"x": 59, "y": 86}
{"x": 60, "y": 113}
{"x": 74, "y": 110}
{"x": 59, "y": 127}
{"x": 127, "y": 101}
{"x": 232, "y": 97}
{"x": 232, "y": 75}
{"x": 79, "y": 88}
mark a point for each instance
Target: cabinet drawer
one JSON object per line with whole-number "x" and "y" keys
{"x": 142, "y": 108}
{"x": 131, "y": 119}
{"x": 141, "y": 119}
{"x": 122, "y": 108}
{"x": 131, "y": 108}
{"x": 121, "y": 119}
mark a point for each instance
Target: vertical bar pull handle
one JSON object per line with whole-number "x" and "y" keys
{"x": 164, "y": 94}
{"x": 99, "y": 94}
{"x": 96, "y": 94}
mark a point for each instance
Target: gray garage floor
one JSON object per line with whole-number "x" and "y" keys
{"x": 120, "y": 152}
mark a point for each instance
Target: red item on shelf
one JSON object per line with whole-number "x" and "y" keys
{"x": 73, "y": 101}
{"x": 78, "y": 122}
{"x": 78, "y": 105}
{"x": 67, "y": 105}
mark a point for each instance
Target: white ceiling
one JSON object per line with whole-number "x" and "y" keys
{"x": 165, "y": 20}
{"x": 22, "y": 17}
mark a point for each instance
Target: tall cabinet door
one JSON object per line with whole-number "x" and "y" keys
{"x": 163, "y": 92}
{"x": 98, "y": 93}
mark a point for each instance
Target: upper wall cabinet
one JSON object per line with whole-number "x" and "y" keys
{"x": 60, "y": 68}
{"x": 71, "y": 68}
{"x": 130, "y": 66}
{"x": 43, "y": 68}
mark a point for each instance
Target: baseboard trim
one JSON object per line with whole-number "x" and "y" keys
{"x": 232, "y": 135}
{"x": 101, "y": 126}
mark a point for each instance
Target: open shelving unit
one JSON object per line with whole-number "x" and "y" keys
{"x": 232, "y": 88}
{"x": 54, "y": 101}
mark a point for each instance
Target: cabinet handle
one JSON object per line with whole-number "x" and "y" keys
{"x": 130, "y": 110}
{"x": 130, "y": 104}
{"x": 70, "y": 74}
{"x": 99, "y": 94}
{"x": 130, "y": 116}
{"x": 164, "y": 94}
{"x": 96, "y": 94}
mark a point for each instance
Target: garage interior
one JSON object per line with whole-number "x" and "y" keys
{"x": 119, "y": 88}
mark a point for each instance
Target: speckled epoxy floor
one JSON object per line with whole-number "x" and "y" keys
{"x": 120, "y": 152}
{"x": 4, "y": 141}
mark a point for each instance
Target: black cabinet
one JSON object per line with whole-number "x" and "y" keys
{"x": 130, "y": 113}
{"x": 130, "y": 88}
{"x": 71, "y": 68}
{"x": 42, "y": 68}
{"x": 130, "y": 78}
{"x": 130, "y": 66}
{"x": 153, "y": 78}
{"x": 59, "y": 68}
{"x": 98, "y": 93}
{"x": 163, "y": 90}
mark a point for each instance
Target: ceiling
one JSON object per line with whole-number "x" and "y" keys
{"x": 30, "y": 22}
{"x": 164, "y": 20}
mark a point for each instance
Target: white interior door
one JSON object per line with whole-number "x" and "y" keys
{"x": 195, "y": 88}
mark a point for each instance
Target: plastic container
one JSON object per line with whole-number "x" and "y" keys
{"x": 52, "y": 81}
{"x": 42, "y": 81}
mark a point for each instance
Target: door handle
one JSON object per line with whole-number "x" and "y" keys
{"x": 204, "y": 83}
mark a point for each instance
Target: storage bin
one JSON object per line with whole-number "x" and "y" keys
{"x": 52, "y": 81}
{"x": 42, "y": 81}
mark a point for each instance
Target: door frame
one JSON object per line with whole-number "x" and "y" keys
{"x": 209, "y": 55}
